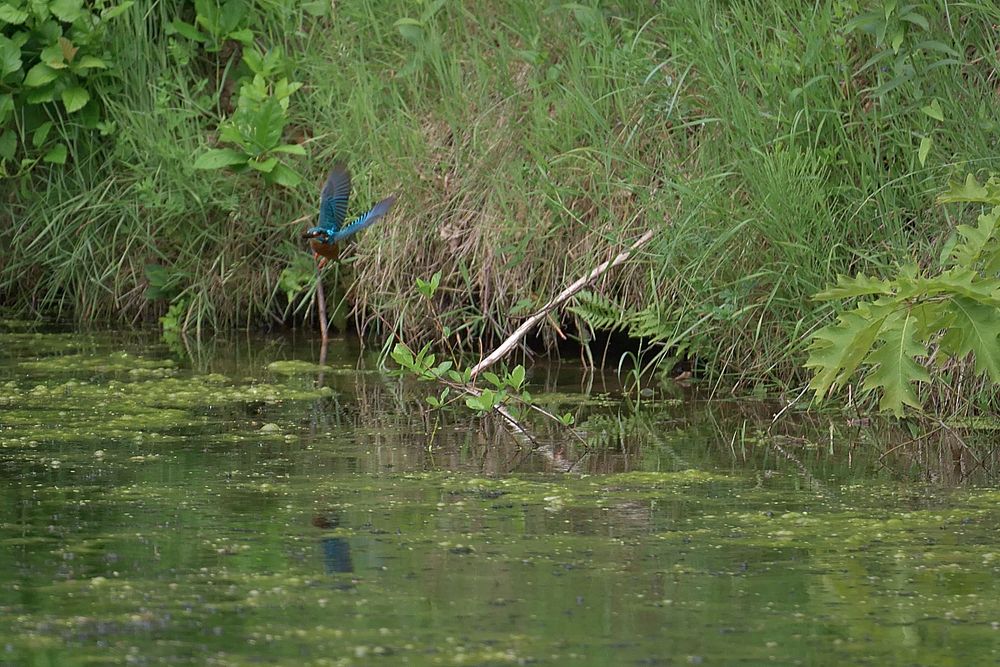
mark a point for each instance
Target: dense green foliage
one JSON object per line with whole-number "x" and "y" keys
{"x": 774, "y": 145}
{"x": 50, "y": 53}
{"x": 940, "y": 315}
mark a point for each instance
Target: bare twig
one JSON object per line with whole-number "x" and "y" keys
{"x": 526, "y": 326}
{"x": 564, "y": 296}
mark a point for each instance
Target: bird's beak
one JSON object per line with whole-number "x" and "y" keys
{"x": 311, "y": 233}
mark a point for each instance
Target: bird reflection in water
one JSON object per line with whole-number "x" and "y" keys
{"x": 336, "y": 550}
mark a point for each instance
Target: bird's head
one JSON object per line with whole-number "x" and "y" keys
{"x": 317, "y": 233}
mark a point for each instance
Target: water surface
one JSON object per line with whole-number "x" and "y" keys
{"x": 231, "y": 503}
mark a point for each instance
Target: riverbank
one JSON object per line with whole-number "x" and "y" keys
{"x": 770, "y": 148}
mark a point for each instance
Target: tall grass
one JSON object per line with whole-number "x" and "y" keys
{"x": 527, "y": 141}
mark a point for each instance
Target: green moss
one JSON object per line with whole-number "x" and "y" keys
{"x": 296, "y": 367}
{"x": 116, "y": 362}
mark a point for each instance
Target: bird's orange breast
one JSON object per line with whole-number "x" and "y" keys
{"x": 328, "y": 250}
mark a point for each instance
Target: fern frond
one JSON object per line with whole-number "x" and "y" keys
{"x": 601, "y": 313}
{"x": 655, "y": 322}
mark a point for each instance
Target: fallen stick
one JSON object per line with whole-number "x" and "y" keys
{"x": 505, "y": 347}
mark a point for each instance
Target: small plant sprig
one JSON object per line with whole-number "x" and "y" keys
{"x": 915, "y": 322}
{"x": 216, "y": 23}
{"x": 506, "y": 394}
{"x": 903, "y": 43}
{"x": 257, "y": 129}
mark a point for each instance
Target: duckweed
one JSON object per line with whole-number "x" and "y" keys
{"x": 156, "y": 513}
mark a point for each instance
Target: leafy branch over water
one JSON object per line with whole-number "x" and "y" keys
{"x": 507, "y": 395}
{"x": 915, "y": 322}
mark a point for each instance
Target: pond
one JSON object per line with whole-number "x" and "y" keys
{"x": 233, "y": 503}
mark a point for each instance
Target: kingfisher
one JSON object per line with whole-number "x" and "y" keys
{"x": 326, "y": 237}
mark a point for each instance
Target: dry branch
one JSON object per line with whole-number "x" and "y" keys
{"x": 505, "y": 347}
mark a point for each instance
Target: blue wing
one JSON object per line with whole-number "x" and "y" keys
{"x": 367, "y": 219}
{"x": 333, "y": 203}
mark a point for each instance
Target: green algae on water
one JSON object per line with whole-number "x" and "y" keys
{"x": 154, "y": 513}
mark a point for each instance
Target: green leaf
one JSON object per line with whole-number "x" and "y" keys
{"x": 8, "y": 144}
{"x": 412, "y": 30}
{"x": 89, "y": 116}
{"x": 6, "y": 107}
{"x": 895, "y": 369}
{"x": 925, "y": 148}
{"x": 187, "y": 30}
{"x": 587, "y": 17}
{"x": 114, "y": 12}
{"x": 40, "y": 134}
{"x": 848, "y": 287}
{"x": 916, "y": 19}
{"x": 11, "y": 14}
{"x": 39, "y": 10}
{"x": 283, "y": 175}
{"x": 319, "y": 8}
{"x": 517, "y": 377}
{"x": 972, "y": 191}
{"x": 947, "y": 248}
{"x": 39, "y": 75}
{"x": 262, "y": 124}
{"x": 838, "y": 349}
{"x": 10, "y": 56}
{"x": 291, "y": 149}
{"x": 244, "y": 36}
{"x": 934, "y": 111}
{"x": 39, "y": 95}
{"x": 934, "y": 45}
{"x": 402, "y": 355}
{"x": 483, "y": 402}
{"x": 56, "y": 155}
{"x": 75, "y": 98}
{"x": 230, "y": 15}
{"x": 432, "y": 9}
{"x": 897, "y": 40}
{"x": 976, "y": 241}
{"x": 52, "y": 55}
{"x": 493, "y": 379}
{"x": 963, "y": 281}
{"x": 266, "y": 166}
{"x": 219, "y": 158}
{"x": 89, "y": 62}
{"x": 66, "y": 10}
{"x": 975, "y": 329}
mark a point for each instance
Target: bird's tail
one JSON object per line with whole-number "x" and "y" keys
{"x": 367, "y": 219}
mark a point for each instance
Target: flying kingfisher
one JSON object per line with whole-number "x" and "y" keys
{"x": 325, "y": 237}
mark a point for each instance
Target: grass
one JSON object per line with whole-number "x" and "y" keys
{"x": 527, "y": 145}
